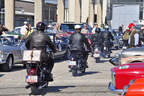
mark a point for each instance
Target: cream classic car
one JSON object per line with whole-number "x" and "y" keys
{"x": 129, "y": 55}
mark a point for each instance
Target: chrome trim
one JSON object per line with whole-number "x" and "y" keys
{"x": 112, "y": 88}
{"x": 113, "y": 78}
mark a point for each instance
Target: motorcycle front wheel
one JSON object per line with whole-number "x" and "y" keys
{"x": 83, "y": 70}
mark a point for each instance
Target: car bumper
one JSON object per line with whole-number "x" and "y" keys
{"x": 112, "y": 88}
{"x": 2, "y": 61}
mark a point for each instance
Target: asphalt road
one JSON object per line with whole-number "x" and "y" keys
{"x": 92, "y": 83}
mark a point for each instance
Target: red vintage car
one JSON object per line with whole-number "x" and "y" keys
{"x": 121, "y": 75}
{"x": 134, "y": 88}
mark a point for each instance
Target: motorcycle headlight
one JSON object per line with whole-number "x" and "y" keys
{"x": 113, "y": 78}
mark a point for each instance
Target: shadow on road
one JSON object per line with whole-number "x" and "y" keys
{"x": 103, "y": 61}
{"x": 51, "y": 89}
{"x": 15, "y": 68}
{"x": 89, "y": 73}
{"x": 2, "y": 75}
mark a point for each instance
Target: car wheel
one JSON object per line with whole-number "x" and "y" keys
{"x": 9, "y": 64}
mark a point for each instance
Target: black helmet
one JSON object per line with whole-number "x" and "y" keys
{"x": 40, "y": 26}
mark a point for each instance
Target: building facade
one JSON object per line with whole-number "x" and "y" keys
{"x": 24, "y": 11}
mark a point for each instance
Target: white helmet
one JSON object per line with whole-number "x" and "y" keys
{"x": 106, "y": 26}
{"x": 49, "y": 25}
{"x": 77, "y": 27}
{"x": 25, "y": 22}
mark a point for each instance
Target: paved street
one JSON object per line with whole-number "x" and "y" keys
{"x": 93, "y": 83}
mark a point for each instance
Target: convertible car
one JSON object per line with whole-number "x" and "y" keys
{"x": 10, "y": 52}
{"x": 130, "y": 55}
{"x": 123, "y": 74}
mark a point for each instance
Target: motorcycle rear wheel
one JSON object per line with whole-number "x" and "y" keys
{"x": 97, "y": 60}
{"x": 35, "y": 90}
{"x": 74, "y": 73}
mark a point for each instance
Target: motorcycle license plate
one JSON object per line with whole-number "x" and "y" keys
{"x": 96, "y": 55}
{"x": 72, "y": 63}
{"x": 31, "y": 79}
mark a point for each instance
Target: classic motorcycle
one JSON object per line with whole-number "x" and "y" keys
{"x": 96, "y": 54}
{"x": 76, "y": 64}
{"x": 37, "y": 76}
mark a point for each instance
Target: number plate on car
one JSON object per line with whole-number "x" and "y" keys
{"x": 72, "y": 63}
{"x": 31, "y": 79}
{"x": 96, "y": 55}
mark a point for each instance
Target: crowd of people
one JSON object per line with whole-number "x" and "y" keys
{"x": 133, "y": 37}
{"x": 79, "y": 41}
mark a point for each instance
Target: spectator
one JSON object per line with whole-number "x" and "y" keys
{"x": 29, "y": 30}
{"x": 126, "y": 36}
{"x": 85, "y": 30}
{"x": 134, "y": 38}
{"x": 2, "y": 29}
{"x": 23, "y": 30}
{"x": 95, "y": 28}
{"x": 141, "y": 33}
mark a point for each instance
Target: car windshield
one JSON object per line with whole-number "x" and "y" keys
{"x": 6, "y": 40}
{"x": 67, "y": 27}
{"x": 17, "y": 31}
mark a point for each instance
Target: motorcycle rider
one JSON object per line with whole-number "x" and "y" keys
{"x": 78, "y": 43}
{"x": 97, "y": 39}
{"x": 107, "y": 40}
{"x": 40, "y": 41}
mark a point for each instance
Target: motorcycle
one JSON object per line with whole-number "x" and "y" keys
{"x": 107, "y": 52}
{"x": 96, "y": 54}
{"x": 76, "y": 64}
{"x": 37, "y": 76}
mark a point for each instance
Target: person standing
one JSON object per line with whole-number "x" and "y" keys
{"x": 95, "y": 28}
{"x": 141, "y": 33}
{"x": 29, "y": 30}
{"x": 23, "y": 30}
{"x": 85, "y": 30}
{"x": 126, "y": 36}
{"x": 2, "y": 29}
{"x": 134, "y": 39}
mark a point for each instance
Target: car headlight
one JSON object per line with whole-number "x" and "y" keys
{"x": 1, "y": 54}
{"x": 113, "y": 78}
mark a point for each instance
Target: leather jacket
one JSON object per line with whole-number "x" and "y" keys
{"x": 97, "y": 38}
{"x": 78, "y": 41}
{"x": 40, "y": 41}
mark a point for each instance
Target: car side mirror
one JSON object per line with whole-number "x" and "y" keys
{"x": 115, "y": 61}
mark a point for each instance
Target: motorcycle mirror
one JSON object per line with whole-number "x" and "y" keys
{"x": 114, "y": 61}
